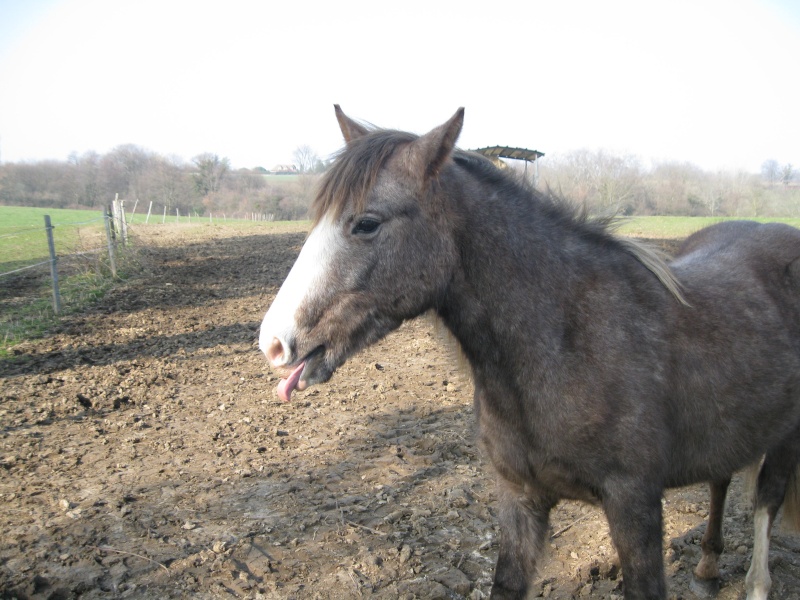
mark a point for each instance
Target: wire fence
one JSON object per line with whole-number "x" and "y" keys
{"x": 55, "y": 268}
{"x": 59, "y": 266}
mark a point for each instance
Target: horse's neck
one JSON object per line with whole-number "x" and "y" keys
{"x": 514, "y": 279}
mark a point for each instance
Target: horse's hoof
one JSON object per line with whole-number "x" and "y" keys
{"x": 704, "y": 588}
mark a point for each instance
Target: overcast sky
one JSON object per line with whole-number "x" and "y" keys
{"x": 713, "y": 82}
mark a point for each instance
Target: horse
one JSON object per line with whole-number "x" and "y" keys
{"x": 602, "y": 373}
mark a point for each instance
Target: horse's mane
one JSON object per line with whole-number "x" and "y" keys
{"x": 578, "y": 219}
{"x": 355, "y": 170}
{"x": 356, "y": 167}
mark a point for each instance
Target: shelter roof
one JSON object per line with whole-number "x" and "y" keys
{"x": 508, "y": 152}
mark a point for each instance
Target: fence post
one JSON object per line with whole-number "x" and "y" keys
{"x": 53, "y": 270}
{"x": 115, "y": 213}
{"x": 109, "y": 236}
{"x": 149, "y": 208}
{"x": 123, "y": 222}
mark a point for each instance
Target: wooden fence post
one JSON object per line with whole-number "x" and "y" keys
{"x": 107, "y": 216}
{"x": 53, "y": 269}
{"x": 120, "y": 223}
{"x": 124, "y": 218}
{"x": 123, "y": 222}
{"x": 115, "y": 215}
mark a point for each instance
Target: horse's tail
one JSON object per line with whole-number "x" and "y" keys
{"x": 791, "y": 499}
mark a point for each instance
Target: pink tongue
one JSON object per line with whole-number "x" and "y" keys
{"x": 287, "y": 386}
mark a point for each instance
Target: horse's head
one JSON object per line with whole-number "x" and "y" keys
{"x": 380, "y": 252}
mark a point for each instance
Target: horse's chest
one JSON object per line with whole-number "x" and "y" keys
{"x": 523, "y": 456}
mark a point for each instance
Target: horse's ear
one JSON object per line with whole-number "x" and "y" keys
{"x": 431, "y": 151}
{"x": 350, "y": 129}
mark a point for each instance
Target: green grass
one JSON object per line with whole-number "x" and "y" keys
{"x": 34, "y": 316}
{"x": 26, "y": 310}
{"x": 25, "y": 216}
{"x": 680, "y": 227}
{"x": 23, "y": 239}
{"x": 281, "y": 179}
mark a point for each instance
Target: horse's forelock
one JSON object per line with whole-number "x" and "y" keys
{"x": 355, "y": 171}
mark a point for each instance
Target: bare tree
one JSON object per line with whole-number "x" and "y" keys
{"x": 85, "y": 188}
{"x": 123, "y": 168}
{"x": 770, "y": 171}
{"x": 598, "y": 180}
{"x": 305, "y": 159}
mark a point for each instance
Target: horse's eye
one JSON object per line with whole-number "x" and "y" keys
{"x": 366, "y": 226}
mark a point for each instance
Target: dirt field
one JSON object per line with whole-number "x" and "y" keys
{"x": 146, "y": 455}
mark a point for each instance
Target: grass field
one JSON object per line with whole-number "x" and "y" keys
{"x": 24, "y": 216}
{"x": 681, "y": 227}
{"x": 23, "y": 239}
{"x": 81, "y": 247}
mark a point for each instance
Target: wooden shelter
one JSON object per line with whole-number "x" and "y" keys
{"x": 498, "y": 152}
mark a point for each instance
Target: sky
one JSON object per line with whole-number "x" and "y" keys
{"x": 712, "y": 82}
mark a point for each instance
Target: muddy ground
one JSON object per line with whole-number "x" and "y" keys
{"x": 145, "y": 454}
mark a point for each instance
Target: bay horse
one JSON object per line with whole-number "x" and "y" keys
{"x": 601, "y": 372}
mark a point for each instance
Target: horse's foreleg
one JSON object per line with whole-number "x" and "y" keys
{"x": 707, "y": 570}
{"x": 635, "y": 521}
{"x": 524, "y": 519}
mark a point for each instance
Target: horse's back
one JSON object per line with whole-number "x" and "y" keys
{"x": 770, "y": 244}
{"x": 735, "y": 256}
{"x": 739, "y": 267}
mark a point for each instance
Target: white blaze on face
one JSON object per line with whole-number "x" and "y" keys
{"x": 306, "y": 275}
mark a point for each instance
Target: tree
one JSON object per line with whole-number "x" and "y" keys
{"x": 787, "y": 173}
{"x": 597, "y": 180}
{"x": 123, "y": 167}
{"x": 671, "y": 185}
{"x": 211, "y": 170}
{"x": 770, "y": 171}
{"x": 86, "y": 189}
{"x": 305, "y": 159}
{"x": 169, "y": 183}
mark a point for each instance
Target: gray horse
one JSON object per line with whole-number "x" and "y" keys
{"x": 601, "y": 373}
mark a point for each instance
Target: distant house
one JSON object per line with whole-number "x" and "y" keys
{"x": 284, "y": 170}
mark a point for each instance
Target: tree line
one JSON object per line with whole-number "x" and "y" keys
{"x": 600, "y": 181}
{"x": 206, "y": 184}
{"x": 612, "y": 183}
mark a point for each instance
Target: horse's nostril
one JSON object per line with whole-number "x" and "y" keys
{"x": 275, "y": 351}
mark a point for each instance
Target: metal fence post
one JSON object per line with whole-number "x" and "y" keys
{"x": 53, "y": 269}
